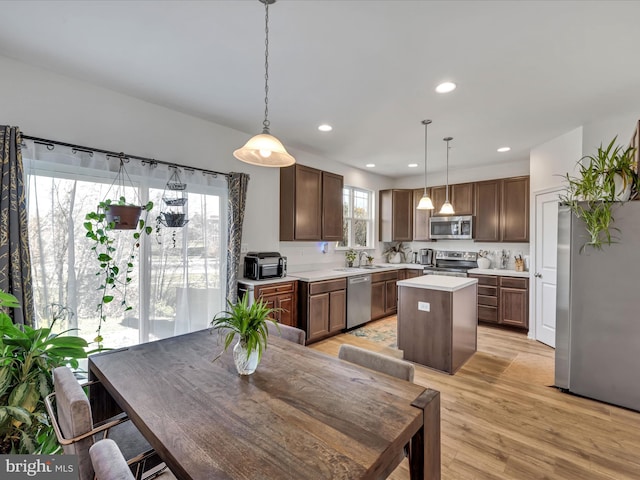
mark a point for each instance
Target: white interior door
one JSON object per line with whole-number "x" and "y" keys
{"x": 545, "y": 273}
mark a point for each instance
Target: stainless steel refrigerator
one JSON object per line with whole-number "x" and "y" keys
{"x": 598, "y": 311}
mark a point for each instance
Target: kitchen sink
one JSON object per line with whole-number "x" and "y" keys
{"x": 348, "y": 269}
{"x": 373, "y": 266}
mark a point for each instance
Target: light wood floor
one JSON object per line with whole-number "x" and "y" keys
{"x": 501, "y": 419}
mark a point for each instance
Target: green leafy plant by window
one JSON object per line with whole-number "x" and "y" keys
{"x": 593, "y": 194}
{"x": 27, "y": 356}
{"x": 114, "y": 277}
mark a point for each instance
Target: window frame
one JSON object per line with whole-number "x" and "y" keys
{"x": 371, "y": 219}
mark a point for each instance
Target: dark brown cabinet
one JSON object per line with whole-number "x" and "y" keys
{"x": 332, "y": 185}
{"x": 460, "y": 196}
{"x": 284, "y": 298}
{"x": 420, "y": 217}
{"x": 396, "y": 216}
{"x": 384, "y": 295}
{"x": 514, "y": 301}
{"x": 502, "y": 210}
{"x": 503, "y": 300}
{"x": 323, "y": 308}
{"x": 409, "y": 273}
{"x": 310, "y": 204}
{"x": 487, "y": 211}
{"x": 514, "y": 220}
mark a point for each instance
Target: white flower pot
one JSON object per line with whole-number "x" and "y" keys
{"x": 623, "y": 193}
{"x": 395, "y": 257}
{"x": 245, "y": 365}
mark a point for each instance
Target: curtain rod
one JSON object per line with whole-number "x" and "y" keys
{"x": 119, "y": 155}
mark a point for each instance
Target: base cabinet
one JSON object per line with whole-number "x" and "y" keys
{"x": 384, "y": 295}
{"x": 503, "y": 300}
{"x": 284, "y": 298}
{"x": 323, "y": 308}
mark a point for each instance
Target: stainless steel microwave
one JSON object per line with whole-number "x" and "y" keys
{"x": 451, "y": 228}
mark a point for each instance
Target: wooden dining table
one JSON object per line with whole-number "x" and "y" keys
{"x": 302, "y": 415}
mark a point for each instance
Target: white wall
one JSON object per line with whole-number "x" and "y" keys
{"x": 550, "y": 161}
{"x": 602, "y": 132}
{"x": 51, "y": 106}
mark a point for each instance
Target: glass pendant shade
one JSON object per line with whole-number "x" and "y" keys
{"x": 425, "y": 203}
{"x": 264, "y": 150}
{"x": 447, "y": 208}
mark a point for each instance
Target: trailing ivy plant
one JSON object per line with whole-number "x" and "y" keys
{"x": 27, "y": 357}
{"x": 114, "y": 277}
{"x": 595, "y": 192}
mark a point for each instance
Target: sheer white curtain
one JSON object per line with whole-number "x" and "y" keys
{"x": 179, "y": 278}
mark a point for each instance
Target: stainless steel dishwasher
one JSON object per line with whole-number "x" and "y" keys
{"x": 358, "y": 300}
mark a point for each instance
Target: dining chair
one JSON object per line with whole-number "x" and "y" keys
{"x": 108, "y": 462}
{"x": 72, "y": 421}
{"x": 377, "y": 361}
{"x": 287, "y": 332}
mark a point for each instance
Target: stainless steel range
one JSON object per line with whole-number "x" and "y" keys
{"x": 452, "y": 263}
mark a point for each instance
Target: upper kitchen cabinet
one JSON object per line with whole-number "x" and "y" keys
{"x": 502, "y": 210}
{"x": 396, "y": 216}
{"x": 310, "y": 204}
{"x": 487, "y": 211}
{"x": 460, "y": 195}
{"x": 420, "y": 217}
{"x": 514, "y": 219}
{"x": 332, "y": 227}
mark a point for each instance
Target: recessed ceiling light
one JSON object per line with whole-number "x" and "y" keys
{"x": 446, "y": 87}
{"x": 412, "y": 165}
{"x": 504, "y": 149}
{"x": 370, "y": 165}
{"x": 325, "y": 127}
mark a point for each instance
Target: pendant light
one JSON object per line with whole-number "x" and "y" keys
{"x": 447, "y": 208}
{"x": 425, "y": 202}
{"x": 264, "y": 149}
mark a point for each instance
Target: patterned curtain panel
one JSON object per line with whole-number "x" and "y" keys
{"x": 237, "y": 184}
{"x": 15, "y": 262}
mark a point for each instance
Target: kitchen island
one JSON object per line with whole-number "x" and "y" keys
{"x": 437, "y": 320}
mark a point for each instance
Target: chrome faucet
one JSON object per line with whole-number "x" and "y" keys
{"x": 362, "y": 252}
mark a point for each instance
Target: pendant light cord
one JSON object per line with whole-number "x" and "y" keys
{"x": 447, "y": 140}
{"x": 425, "y": 156}
{"x": 265, "y": 123}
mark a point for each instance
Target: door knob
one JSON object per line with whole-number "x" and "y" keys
{"x": 538, "y": 275}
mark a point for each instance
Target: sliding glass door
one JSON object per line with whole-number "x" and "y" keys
{"x": 177, "y": 283}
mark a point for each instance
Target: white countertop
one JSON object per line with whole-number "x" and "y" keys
{"x": 341, "y": 272}
{"x": 267, "y": 281}
{"x": 438, "y": 282}
{"x": 499, "y": 272}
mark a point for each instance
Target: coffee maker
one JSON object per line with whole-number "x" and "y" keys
{"x": 427, "y": 256}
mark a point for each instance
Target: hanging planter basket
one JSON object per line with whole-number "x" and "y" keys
{"x": 124, "y": 217}
{"x": 173, "y": 220}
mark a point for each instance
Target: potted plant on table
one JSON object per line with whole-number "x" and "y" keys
{"x": 606, "y": 179}
{"x": 27, "y": 357}
{"x": 249, "y": 322}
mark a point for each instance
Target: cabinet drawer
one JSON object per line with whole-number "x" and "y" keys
{"x": 489, "y": 301}
{"x": 384, "y": 276}
{"x": 327, "y": 286}
{"x": 486, "y": 279}
{"x": 514, "y": 282}
{"x": 488, "y": 291}
{"x": 274, "y": 289}
{"x": 487, "y": 314}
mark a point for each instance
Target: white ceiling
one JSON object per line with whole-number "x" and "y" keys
{"x": 527, "y": 71}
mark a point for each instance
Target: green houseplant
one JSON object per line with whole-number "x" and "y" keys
{"x": 350, "y": 255}
{"x": 249, "y": 322}
{"x": 114, "y": 271}
{"x": 27, "y": 356}
{"x": 604, "y": 181}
